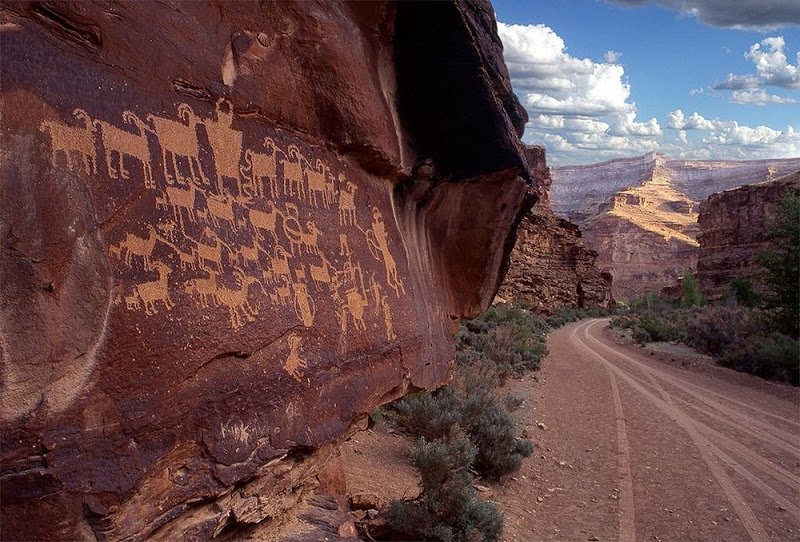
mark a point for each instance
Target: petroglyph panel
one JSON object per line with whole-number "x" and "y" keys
{"x": 245, "y": 237}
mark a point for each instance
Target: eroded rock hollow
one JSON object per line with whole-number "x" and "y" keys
{"x": 229, "y": 231}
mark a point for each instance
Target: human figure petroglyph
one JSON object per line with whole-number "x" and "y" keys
{"x": 304, "y": 305}
{"x": 67, "y": 140}
{"x": 320, "y": 184}
{"x": 237, "y": 301}
{"x": 221, "y": 209}
{"x": 226, "y": 144}
{"x": 124, "y": 143}
{"x": 204, "y": 287}
{"x": 378, "y": 244}
{"x": 293, "y": 178}
{"x": 179, "y": 139}
{"x": 294, "y": 362}
{"x": 135, "y": 245}
{"x": 157, "y": 290}
{"x": 347, "y": 203}
{"x": 356, "y": 303}
{"x": 382, "y": 307}
{"x": 344, "y": 245}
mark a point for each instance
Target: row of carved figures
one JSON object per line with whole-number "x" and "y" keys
{"x": 178, "y": 140}
{"x": 283, "y": 282}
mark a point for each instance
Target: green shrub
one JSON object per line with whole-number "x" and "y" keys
{"x": 473, "y": 404}
{"x": 430, "y": 415}
{"x": 448, "y": 508}
{"x": 741, "y": 292}
{"x": 776, "y": 358}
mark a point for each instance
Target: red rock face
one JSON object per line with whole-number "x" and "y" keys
{"x": 551, "y": 266}
{"x": 733, "y": 226}
{"x": 229, "y": 232}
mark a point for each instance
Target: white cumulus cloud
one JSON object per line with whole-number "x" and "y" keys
{"x": 773, "y": 69}
{"x": 729, "y": 139}
{"x": 759, "y": 97}
{"x": 575, "y": 104}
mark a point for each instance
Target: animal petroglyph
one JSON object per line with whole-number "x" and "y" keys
{"x": 263, "y": 217}
{"x": 69, "y": 140}
{"x": 182, "y": 200}
{"x": 157, "y": 290}
{"x": 221, "y": 209}
{"x": 261, "y": 165}
{"x": 293, "y": 178}
{"x": 320, "y": 184}
{"x": 226, "y": 144}
{"x": 204, "y": 288}
{"x": 321, "y": 274}
{"x": 179, "y": 139}
{"x": 294, "y": 362}
{"x": 237, "y": 302}
{"x": 124, "y": 143}
{"x": 138, "y": 246}
{"x": 265, "y": 220}
{"x": 378, "y": 243}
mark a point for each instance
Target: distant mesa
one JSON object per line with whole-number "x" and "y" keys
{"x": 640, "y": 214}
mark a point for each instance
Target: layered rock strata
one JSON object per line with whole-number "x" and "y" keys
{"x": 551, "y": 266}
{"x": 733, "y": 232}
{"x": 229, "y": 231}
{"x": 640, "y": 214}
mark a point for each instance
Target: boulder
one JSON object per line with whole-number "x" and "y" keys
{"x": 230, "y": 231}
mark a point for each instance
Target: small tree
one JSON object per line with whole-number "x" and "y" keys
{"x": 741, "y": 290}
{"x": 782, "y": 262}
{"x": 691, "y": 296}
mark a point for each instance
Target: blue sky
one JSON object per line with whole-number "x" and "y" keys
{"x": 602, "y": 79}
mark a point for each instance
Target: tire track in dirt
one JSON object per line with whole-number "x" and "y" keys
{"x": 720, "y": 439}
{"x": 702, "y": 395}
{"x": 627, "y": 524}
{"x": 703, "y": 445}
{"x": 746, "y": 474}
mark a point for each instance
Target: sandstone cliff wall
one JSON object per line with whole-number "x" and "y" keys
{"x": 640, "y": 214}
{"x": 551, "y": 266}
{"x": 733, "y": 233}
{"x": 229, "y": 231}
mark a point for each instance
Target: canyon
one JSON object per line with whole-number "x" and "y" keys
{"x": 734, "y": 232}
{"x": 228, "y": 234}
{"x": 551, "y": 267}
{"x": 640, "y": 214}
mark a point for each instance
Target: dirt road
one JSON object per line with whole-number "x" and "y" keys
{"x": 632, "y": 448}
